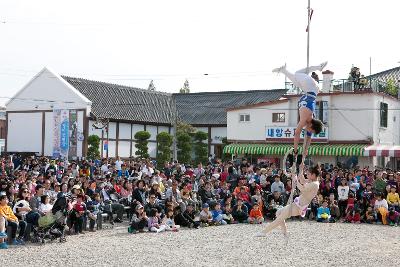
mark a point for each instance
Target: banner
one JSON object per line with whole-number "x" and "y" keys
{"x": 56, "y": 132}
{"x": 286, "y": 133}
{"x": 64, "y": 133}
{"x": 73, "y": 133}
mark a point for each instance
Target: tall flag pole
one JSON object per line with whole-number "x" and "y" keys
{"x": 310, "y": 13}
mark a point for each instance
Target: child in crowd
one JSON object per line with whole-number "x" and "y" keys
{"x": 169, "y": 222}
{"x": 154, "y": 222}
{"x": 255, "y": 215}
{"x": 205, "y": 215}
{"x": 185, "y": 219}
{"x": 350, "y": 202}
{"x": 139, "y": 220}
{"x": 12, "y": 221}
{"x": 323, "y": 212}
{"x": 3, "y": 235}
{"x": 393, "y": 199}
{"x": 77, "y": 214}
{"x": 370, "y": 215}
{"x": 353, "y": 216}
{"x": 217, "y": 215}
{"x": 228, "y": 214}
{"x": 381, "y": 208}
{"x": 93, "y": 208}
{"x": 393, "y": 217}
{"x": 45, "y": 206}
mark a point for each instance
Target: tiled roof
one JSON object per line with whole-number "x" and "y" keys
{"x": 386, "y": 75}
{"x": 120, "y": 102}
{"x": 210, "y": 108}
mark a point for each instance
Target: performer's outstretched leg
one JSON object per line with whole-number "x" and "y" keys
{"x": 310, "y": 69}
{"x": 282, "y": 215}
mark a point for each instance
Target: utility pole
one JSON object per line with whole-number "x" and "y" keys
{"x": 308, "y": 34}
{"x": 175, "y": 123}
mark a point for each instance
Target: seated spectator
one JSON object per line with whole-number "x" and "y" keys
{"x": 3, "y": 235}
{"x": 240, "y": 211}
{"x": 370, "y": 215}
{"x": 227, "y": 215}
{"x": 324, "y": 213}
{"x": 94, "y": 208}
{"x": 169, "y": 222}
{"x": 45, "y": 206}
{"x": 393, "y": 199}
{"x": 255, "y": 215}
{"x": 152, "y": 204}
{"x": 77, "y": 215}
{"x": 139, "y": 220}
{"x": 205, "y": 215}
{"x": 343, "y": 195}
{"x": 12, "y": 221}
{"x": 381, "y": 208}
{"x": 353, "y": 215}
{"x": 22, "y": 208}
{"x": 206, "y": 194}
{"x": 333, "y": 207}
{"x": 393, "y": 217}
{"x": 217, "y": 215}
{"x": 154, "y": 222}
{"x": 275, "y": 201}
{"x": 350, "y": 202}
{"x": 277, "y": 185}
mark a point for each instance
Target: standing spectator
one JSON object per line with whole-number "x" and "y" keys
{"x": 343, "y": 195}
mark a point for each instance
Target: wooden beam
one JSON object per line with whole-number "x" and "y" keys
{"x": 117, "y": 139}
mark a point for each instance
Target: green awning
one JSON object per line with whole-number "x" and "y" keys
{"x": 281, "y": 149}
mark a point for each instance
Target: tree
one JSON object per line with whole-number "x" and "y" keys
{"x": 185, "y": 89}
{"x": 186, "y": 128}
{"x": 391, "y": 88}
{"x": 141, "y": 144}
{"x": 164, "y": 143}
{"x": 201, "y": 148}
{"x": 184, "y": 145}
{"x": 93, "y": 147}
{"x": 151, "y": 86}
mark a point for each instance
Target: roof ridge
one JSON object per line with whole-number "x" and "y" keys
{"x": 232, "y": 92}
{"x": 121, "y": 86}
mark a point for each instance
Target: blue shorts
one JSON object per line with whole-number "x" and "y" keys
{"x": 307, "y": 101}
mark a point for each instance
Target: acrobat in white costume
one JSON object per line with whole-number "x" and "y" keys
{"x": 306, "y": 104}
{"x": 308, "y": 188}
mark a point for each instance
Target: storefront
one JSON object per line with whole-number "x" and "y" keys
{"x": 322, "y": 153}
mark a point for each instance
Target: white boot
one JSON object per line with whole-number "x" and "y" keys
{"x": 279, "y": 70}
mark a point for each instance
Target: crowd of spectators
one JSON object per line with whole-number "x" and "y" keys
{"x": 178, "y": 195}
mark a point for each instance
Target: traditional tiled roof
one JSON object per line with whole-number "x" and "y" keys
{"x": 118, "y": 102}
{"x": 210, "y": 108}
{"x": 386, "y": 75}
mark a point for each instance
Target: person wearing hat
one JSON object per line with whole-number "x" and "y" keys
{"x": 139, "y": 220}
{"x": 205, "y": 215}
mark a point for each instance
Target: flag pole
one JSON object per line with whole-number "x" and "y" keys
{"x": 308, "y": 34}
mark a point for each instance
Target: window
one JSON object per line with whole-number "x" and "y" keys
{"x": 384, "y": 114}
{"x": 278, "y": 117}
{"x": 244, "y": 117}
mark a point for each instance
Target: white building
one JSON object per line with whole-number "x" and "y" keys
{"x": 32, "y": 120}
{"x": 362, "y": 127}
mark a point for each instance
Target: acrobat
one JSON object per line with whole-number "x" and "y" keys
{"x": 308, "y": 190}
{"x": 306, "y": 105}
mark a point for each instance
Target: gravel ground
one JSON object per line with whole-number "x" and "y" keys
{"x": 310, "y": 244}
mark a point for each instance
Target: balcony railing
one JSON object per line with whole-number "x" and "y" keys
{"x": 349, "y": 85}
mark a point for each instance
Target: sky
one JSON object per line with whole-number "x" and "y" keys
{"x": 237, "y": 43}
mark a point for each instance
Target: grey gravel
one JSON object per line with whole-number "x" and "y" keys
{"x": 310, "y": 244}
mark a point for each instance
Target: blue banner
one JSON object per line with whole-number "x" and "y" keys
{"x": 64, "y": 140}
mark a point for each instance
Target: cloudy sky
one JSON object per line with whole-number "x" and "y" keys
{"x": 236, "y": 42}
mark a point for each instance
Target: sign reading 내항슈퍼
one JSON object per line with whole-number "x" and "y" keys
{"x": 278, "y": 133}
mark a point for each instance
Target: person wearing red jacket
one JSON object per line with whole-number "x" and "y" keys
{"x": 255, "y": 215}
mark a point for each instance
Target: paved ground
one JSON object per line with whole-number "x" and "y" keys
{"x": 310, "y": 244}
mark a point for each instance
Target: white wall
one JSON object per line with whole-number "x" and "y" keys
{"x": 152, "y": 149}
{"x": 152, "y": 129}
{"x": 24, "y": 132}
{"x": 124, "y": 149}
{"x": 260, "y": 117}
{"x": 217, "y": 133}
{"x": 124, "y": 131}
{"x": 49, "y": 134}
{"x": 163, "y": 129}
{"x": 136, "y": 128}
{"x": 112, "y": 131}
{"x": 111, "y": 149}
{"x": 43, "y": 87}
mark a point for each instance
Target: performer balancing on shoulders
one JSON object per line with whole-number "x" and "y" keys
{"x": 308, "y": 190}
{"x": 309, "y": 86}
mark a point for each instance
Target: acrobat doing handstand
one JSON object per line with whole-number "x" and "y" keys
{"x": 309, "y": 86}
{"x": 308, "y": 190}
